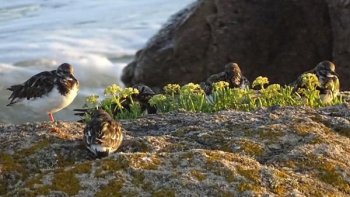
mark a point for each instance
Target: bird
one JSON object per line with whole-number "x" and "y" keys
{"x": 232, "y": 74}
{"x": 144, "y": 95}
{"x": 48, "y": 91}
{"x": 102, "y": 134}
{"x": 329, "y": 85}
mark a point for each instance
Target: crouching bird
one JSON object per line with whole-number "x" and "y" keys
{"x": 47, "y": 92}
{"x": 102, "y": 134}
{"x": 328, "y": 81}
{"x": 145, "y": 93}
{"x": 232, "y": 74}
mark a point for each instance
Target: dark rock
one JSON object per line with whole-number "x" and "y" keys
{"x": 277, "y": 39}
{"x": 340, "y": 21}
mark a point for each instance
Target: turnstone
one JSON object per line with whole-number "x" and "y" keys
{"x": 48, "y": 91}
{"x": 102, "y": 135}
{"x": 144, "y": 95}
{"x": 328, "y": 80}
{"x": 232, "y": 74}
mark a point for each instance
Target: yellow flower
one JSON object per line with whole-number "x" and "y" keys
{"x": 128, "y": 92}
{"x": 310, "y": 81}
{"x": 273, "y": 88}
{"x": 260, "y": 81}
{"x": 172, "y": 89}
{"x": 192, "y": 88}
{"x": 220, "y": 85}
{"x": 112, "y": 90}
{"x": 91, "y": 99}
{"x": 157, "y": 99}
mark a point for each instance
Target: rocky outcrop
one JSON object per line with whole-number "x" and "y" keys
{"x": 277, "y": 39}
{"x": 279, "y": 151}
{"x": 340, "y": 24}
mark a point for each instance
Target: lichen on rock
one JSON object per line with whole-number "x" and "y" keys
{"x": 277, "y": 151}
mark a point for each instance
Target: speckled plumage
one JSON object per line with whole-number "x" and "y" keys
{"x": 144, "y": 95}
{"x": 48, "y": 91}
{"x": 102, "y": 135}
{"x": 232, "y": 74}
{"x": 329, "y": 82}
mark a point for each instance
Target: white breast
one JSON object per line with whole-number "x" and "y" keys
{"x": 52, "y": 102}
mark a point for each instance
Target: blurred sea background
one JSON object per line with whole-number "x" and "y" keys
{"x": 98, "y": 37}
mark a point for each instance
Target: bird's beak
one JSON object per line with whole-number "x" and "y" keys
{"x": 72, "y": 76}
{"x": 332, "y": 74}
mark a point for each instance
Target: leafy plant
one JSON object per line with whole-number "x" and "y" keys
{"x": 118, "y": 102}
{"x": 191, "y": 97}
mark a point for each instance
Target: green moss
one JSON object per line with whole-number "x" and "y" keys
{"x": 251, "y": 148}
{"x": 114, "y": 165}
{"x": 325, "y": 171}
{"x": 39, "y": 191}
{"x": 345, "y": 131}
{"x": 144, "y": 161}
{"x": 137, "y": 177}
{"x": 219, "y": 169}
{"x": 328, "y": 174}
{"x": 252, "y": 182}
{"x": 244, "y": 186}
{"x": 63, "y": 161}
{"x": 9, "y": 165}
{"x": 33, "y": 181}
{"x": 81, "y": 168}
{"x": 164, "y": 192}
{"x": 3, "y": 187}
{"x": 111, "y": 189}
{"x": 250, "y": 174}
{"x": 270, "y": 134}
{"x": 278, "y": 183}
{"x": 67, "y": 182}
{"x": 36, "y": 147}
{"x": 198, "y": 175}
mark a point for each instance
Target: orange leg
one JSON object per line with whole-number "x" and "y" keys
{"x": 51, "y": 117}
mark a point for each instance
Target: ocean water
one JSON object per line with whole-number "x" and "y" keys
{"x": 98, "y": 37}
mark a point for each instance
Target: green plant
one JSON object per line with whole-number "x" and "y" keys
{"x": 191, "y": 97}
{"x": 118, "y": 102}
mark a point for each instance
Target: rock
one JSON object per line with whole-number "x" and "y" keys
{"x": 340, "y": 21}
{"x": 287, "y": 151}
{"x": 276, "y": 39}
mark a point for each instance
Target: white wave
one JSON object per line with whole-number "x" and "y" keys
{"x": 97, "y": 37}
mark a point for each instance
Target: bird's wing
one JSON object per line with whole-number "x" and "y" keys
{"x": 37, "y": 86}
{"x": 216, "y": 78}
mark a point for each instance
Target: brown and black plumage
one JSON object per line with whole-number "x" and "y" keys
{"x": 48, "y": 91}
{"x": 102, "y": 135}
{"x": 329, "y": 85}
{"x": 144, "y": 95}
{"x": 232, "y": 74}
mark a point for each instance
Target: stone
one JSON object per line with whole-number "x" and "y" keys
{"x": 276, "y": 39}
{"x": 297, "y": 152}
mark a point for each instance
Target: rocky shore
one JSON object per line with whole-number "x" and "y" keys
{"x": 279, "y": 151}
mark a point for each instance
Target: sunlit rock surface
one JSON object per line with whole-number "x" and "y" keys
{"x": 279, "y": 151}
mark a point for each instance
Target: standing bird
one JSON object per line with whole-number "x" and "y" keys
{"x": 48, "y": 91}
{"x": 232, "y": 74}
{"x": 328, "y": 81}
{"x": 102, "y": 135}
